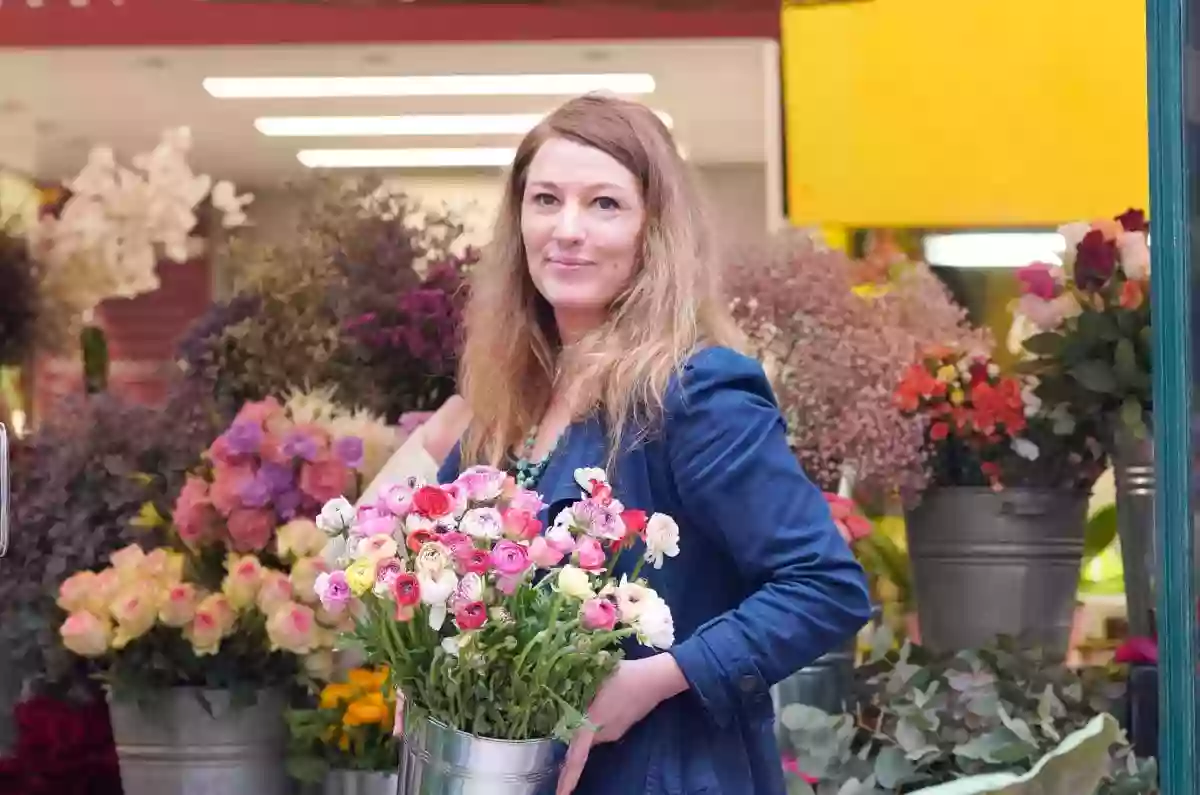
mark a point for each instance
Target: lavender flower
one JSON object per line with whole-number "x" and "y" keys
{"x": 256, "y": 493}
{"x": 244, "y": 437}
{"x": 300, "y": 445}
{"x": 277, "y": 477}
{"x": 350, "y": 450}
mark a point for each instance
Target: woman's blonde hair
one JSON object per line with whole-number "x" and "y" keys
{"x": 672, "y": 305}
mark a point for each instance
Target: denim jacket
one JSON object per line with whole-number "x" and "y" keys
{"x": 763, "y": 584}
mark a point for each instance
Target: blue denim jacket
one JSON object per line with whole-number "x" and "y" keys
{"x": 763, "y": 584}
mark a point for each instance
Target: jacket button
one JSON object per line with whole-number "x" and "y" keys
{"x": 748, "y": 684}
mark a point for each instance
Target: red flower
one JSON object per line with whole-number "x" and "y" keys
{"x": 634, "y": 520}
{"x": 418, "y": 539}
{"x": 601, "y": 492}
{"x": 1038, "y": 279}
{"x": 432, "y": 502}
{"x": 406, "y": 590}
{"x": 1095, "y": 260}
{"x": 470, "y": 615}
{"x": 62, "y": 749}
{"x": 1133, "y": 221}
{"x": 477, "y": 561}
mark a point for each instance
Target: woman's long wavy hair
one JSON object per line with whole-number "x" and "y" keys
{"x": 672, "y": 306}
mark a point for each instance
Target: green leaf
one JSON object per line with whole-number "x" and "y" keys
{"x": 1133, "y": 416}
{"x": 892, "y": 768}
{"x": 1098, "y": 327}
{"x": 1048, "y": 343}
{"x": 1100, "y": 532}
{"x": 798, "y": 786}
{"x": 994, "y": 747}
{"x": 1096, "y": 376}
{"x": 1125, "y": 365}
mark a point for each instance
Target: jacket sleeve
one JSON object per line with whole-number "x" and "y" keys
{"x": 741, "y": 484}
{"x": 449, "y": 469}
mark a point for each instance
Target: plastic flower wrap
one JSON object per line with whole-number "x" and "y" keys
{"x": 266, "y": 469}
{"x": 983, "y": 427}
{"x": 1085, "y": 327}
{"x": 476, "y": 611}
{"x": 349, "y": 728}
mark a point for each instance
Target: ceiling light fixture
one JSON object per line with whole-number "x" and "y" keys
{"x": 993, "y": 249}
{"x": 449, "y": 124}
{"x": 427, "y": 85}
{"x": 468, "y": 157}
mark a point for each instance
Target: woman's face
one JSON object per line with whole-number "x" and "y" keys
{"x": 581, "y": 222}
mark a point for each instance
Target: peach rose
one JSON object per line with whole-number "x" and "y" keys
{"x": 85, "y": 634}
{"x": 304, "y": 578}
{"x": 244, "y": 576}
{"x": 178, "y": 605}
{"x": 275, "y": 591}
{"x": 135, "y": 610}
{"x": 293, "y": 628}
{"x": 76, "y": 591}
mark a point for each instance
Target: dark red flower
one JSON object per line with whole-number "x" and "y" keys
{"x": 1133, "y": 221}
{"x": 406, "y": 590}
{"x": 470, "y": 615}
{"x": 1095, "y": 261}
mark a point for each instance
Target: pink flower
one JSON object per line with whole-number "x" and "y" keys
{"x": 521, "y": 525}
{"x": 86, "y": 635}
{"x": 1040, "y": 279}
{"x": 590, "y": 555}
{"x": 386, "y": 573}
{"x": 325, "y": 478}
{"x": 476, "y": 561}
{"x": 193, "y": 513}
{"x": 229, "y": 481}
{"x": 850, "y": 523}
{"x": 293, "y": 628}
{"x": 510, "y": 559}
{"x": 527, "y": 501}
{"x": 560, "y": 537}
{"x": 543, "y": 555}
{"x": 598, "y": 615}
{"x": 470, "y": 615}
{"x": 459, "y": 544}
{"x": 259, "y": 411}
{"x": 481, "y": 483}
{"x": 397, "y": 500}
{"x": 376, "y": 526}
{"x": 251, "y": 530}
{"x": 333, "y": 591}
{"x": 179, "y": 606}
{"x": 1137, "y": 650}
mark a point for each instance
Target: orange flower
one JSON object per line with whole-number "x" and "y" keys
{"x": 1133, "y": 294}
{"x": 367, "y": 710}
{"x": 334, "y": 695}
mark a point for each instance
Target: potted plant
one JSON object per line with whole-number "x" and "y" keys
{"x": 475, "y": 614}
{"x": 1084, "y": 329}
{"x": 979, "y": 722}
{"x": 345, "y": 742}
{"x": 996, "y": 541}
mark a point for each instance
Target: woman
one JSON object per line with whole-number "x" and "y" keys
{"x": 597, "y": 336}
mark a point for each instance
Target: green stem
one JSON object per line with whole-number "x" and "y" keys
{"x": 94, "y": 348}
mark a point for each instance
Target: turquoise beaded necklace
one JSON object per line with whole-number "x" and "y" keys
{"x": 528, "y": 472}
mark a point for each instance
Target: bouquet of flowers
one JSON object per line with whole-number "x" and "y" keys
{"x": 487, "y": 625}
{"x": 1085, "y": 327}
{"x": 983, "y": 427}
{"x": 349, "y": 729}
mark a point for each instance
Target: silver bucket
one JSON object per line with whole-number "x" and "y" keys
{"x": 825, "y": 684}
{"x": 360, "y": 782}
{"x": 438, "y": 760}
{"x": 175, "y": 747}
{"x": 988, "y": 563}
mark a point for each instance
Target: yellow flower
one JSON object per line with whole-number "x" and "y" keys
{"x": 957, "y": 397}
{"x": 361, "y": 576}
{"x": 335, "y": 693}
{"x": 947, "y": 373}
{"x": 367, "y": 710}
{"x": 368, "y": 680}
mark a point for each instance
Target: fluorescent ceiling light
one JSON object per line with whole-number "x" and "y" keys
{"x": 449, "y": 124}
{"x": 407, "y": 158}
{"x": 428, "y": 85}
{"x": 994, "y": 249}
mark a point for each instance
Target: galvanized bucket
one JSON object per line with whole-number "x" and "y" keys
{"x": 360, "y": 782}
{"x": 174, "y": 746}
{"x": 989, "y": 563}
{"x": 438, "y": 760}
{"x": 825, "y": 684}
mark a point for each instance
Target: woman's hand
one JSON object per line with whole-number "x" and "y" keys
{"x": 634, "y": 689}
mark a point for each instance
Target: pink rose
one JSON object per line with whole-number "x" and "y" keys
{"x": 1040, "y": 279}
{"x": 543, "y": 555}
{"x": 193, "y": 513}
{"x": 251, "y": 530}
{"x": 598, "y": 615}
{"x": 510, "y": 559}
{"x": 324, "y": 479}
{"x": 86, "y": 635}
{"x": 229, "y": 482}
{"x": 292, "y": 628}
{"x": 590, "y": 554}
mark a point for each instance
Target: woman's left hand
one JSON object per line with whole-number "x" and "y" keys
{"x": 635, "y": 688}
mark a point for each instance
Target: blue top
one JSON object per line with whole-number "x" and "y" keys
{"x": 763, "y": 585}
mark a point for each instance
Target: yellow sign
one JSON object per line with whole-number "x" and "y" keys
{"x": 943, "y": 113}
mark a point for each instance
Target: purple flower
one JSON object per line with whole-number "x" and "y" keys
{"x": 244, "y": 437}
{"x": 333, "y": 590}
{"x": 350, "y": 450}
{"x": 300, "y": 445}
{"x": 279, "y": 478}
{"x": 287, "y": 504}
{"x": 256, "y": 493}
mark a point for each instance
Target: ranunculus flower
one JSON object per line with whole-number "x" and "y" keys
{"x": 376, "y": 548}
{"x": 481, "y": 483}
{"x": 299, "y": 538}
{"x": 575, "y": 583}
{"x": 376, "y": 526}
{"x": 543, "y": 555}
{"x": 599, "y": 519}
{"x": 635, "y": 521}
{"x": 360, "y": 576}
{"x": 589, "y": 555}
{"x": 509, "y": 558}
{"x": 386, "y": 573}
{"x": 1135, "y": 255}
{"x": 304, "y": 577}
{"x": 662, "y": 538}
{"x": 482, "y": 523}
{"x": 274, "y": 592}
{"x": 475, "y": 561}
{"x": 417, "y": 539}
{"x": 292, "y": 628}
{"x": 598, "y": 615}
{"x": 179, "y": 605}
{"x": 630, "y": 597}
{"x": 244, "y": 574}
{"x": 470, "y": 615}
{"x": 436, "y": 590}
{"x": 337, "y": 516}
{"x": 432, "y": 559}
{"x": 324, "y": 479}
{"x": 655, "y": 626}
{"x": 459, "y": 544}
{"x": 527, "y": 501}
{"x": 521, "y": 525}
{"x": 333, "y": 591}
{"x": 560, "y": 536}
{"x": 406, "y": 590}
{"x": 85, "y": 634}
{"x": 469, "y": 589}
{"x": 397, "y": 499}
{"x": 432, "y": 502}
{"x": 251, "y": 529}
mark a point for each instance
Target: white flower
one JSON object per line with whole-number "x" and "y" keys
{"x": 337, "y": 516}
{"x": 435, "y": 590}
{"x": 226, "y": 199}
{"x": 336, "y": 553}
{"x": 470, "y": 588}
{"x": 414, "y": 522}
{"x": 631, "y": 596}
{"x": 1135, "y": 255}
{"x": 1033, "y": 403}
{"x": 575, "y": 583}
{"x": 1073, "y": 234}
{"x": 662, "y": 538}
{"x": 482, "y": 523}
{"x": 1025, "y": 449}
{"x": 655, "y": 627}
{"x": 585, "y": 475}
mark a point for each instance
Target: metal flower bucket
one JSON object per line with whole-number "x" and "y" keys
{"x": 438, "y": 760}
{"x": 173, "y": 746}
{"x": 360, "y": 782}
{"x": 989, "y": 563}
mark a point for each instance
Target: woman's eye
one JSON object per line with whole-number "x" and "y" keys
{"x": 544, "y": 199}
{"x": 607, "y": 203}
